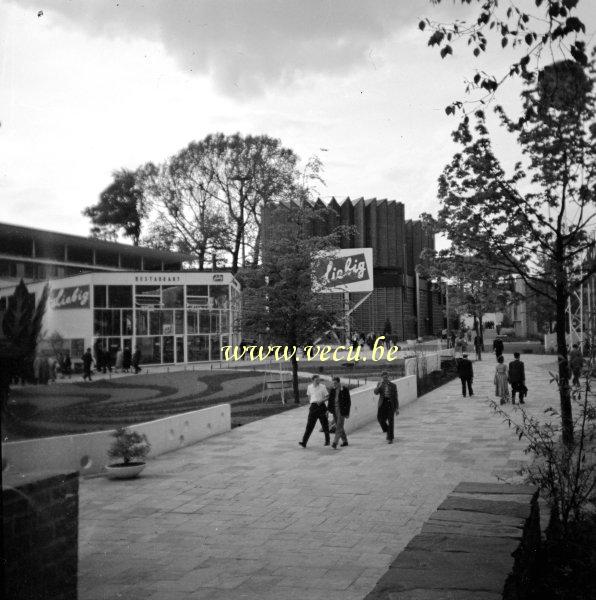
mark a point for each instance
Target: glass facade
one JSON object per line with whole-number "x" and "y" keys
{"x": 167, "y": 323}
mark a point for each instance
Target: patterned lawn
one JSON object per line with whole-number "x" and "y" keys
{"x": 63, "y": 408}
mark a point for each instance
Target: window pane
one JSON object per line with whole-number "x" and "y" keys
{"x": 215, "y": 347}
{"x": 127, "y": 322}
{"x": 215, "y": 321}
{"x": 168, "y": 349}
{"x": 173, "y": 297}
{"x": 100, "y": 298}
{"x": 192, "y": 321}
{"x": 155, "y": 322}
{"x": 224, "y": 321}
{"x": 204, "y": 321}
{"x": 147, "y": 295}
{"x": 179, "y": 349}
{"x": 197, "y": 290}
{"x": 120, "y": 296}
{"x": 179, "y": 321}
{"x": 197, "y": 347}
{"x": 142, "y": 322}
{"x": 150, "y": 348}
{"x": 167, "y": 322}
{"x": 219, "y": 296}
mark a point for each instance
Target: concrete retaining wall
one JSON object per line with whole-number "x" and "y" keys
{"x": 87, "y": 452}
{"x": 423, "y": 363}
{"x": 364, "y": 402}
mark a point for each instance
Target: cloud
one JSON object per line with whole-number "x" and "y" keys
{"x": 246, "y": 46}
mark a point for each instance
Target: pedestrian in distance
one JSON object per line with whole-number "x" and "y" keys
{"x": 501, "y": 380}
{"x": 126, "y": 359}
{"x": 87, "y": 363}
{"x": 317, "y": 395}
{"x": 576, "y": 364}
{"x": 136, "y": 360}
{"x": 339, "y": 404}
{"x": 517, "y": 379}
{"x": 498, "y": 346}
{"x": 119, "y": 359}
{"x": 465, "y": 371}
{"x": 478, "y": 347}
{"x": 388, "y": 405}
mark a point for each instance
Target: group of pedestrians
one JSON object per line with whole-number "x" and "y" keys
{"x": 337, "y": 402}
{"x": 125, "y": 360}
{"x": 513, "y": 375}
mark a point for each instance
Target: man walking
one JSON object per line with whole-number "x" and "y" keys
{"x": 465, "y": 370}
{"x": 87, "y": 362}
{"x": 576, "y": 364}
{"x": 388, "y": 405}
{"x": 517, "y": 378}
{"x": 317, "y": 394}
{"x": 498, "y": 346}
{"x": 478, "y": 347}
{"x": 339, "y": 405}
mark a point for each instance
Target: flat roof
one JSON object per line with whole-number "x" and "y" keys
{"x": 46, "y": 236}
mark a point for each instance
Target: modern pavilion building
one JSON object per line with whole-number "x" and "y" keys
{"x": 111, "y": 296}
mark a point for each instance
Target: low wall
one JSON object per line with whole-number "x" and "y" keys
{"x": 365, "y": 403}
{"x": 87, "y": 452}
{"x": 40, "y": 537}
{"x": 423, "y": 363}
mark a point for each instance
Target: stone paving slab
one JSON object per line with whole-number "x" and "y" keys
{"x": 250, "y": 514}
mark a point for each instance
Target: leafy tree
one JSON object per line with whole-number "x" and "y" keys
{"x": 210, "y": 196}
{"x": 121, "y": 207}
{"x": 521, "y": 226}
{"x": 552, "y": 29}
{"x": 21, "y": 331}
{"x": 474, "y": 288}
{"x": 187, "y": 218}
{"x": 280, "y": 300}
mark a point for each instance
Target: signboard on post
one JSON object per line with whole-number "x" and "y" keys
{"x": 346, "y": 270}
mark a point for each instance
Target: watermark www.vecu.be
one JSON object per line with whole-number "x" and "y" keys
{"x": 322, "y": 352}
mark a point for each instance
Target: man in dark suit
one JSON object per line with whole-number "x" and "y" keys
{"x": 465, "y": 370}
{"x": 517, "y": 378}
{"x": 339, "y": 404}
{"x": 498, "y": 346}
{"x": 388, "y": 405}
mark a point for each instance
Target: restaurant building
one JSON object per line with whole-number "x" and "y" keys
{"x": 121, "y": 296}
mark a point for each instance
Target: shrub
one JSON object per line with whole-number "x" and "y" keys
{"x": 129, "y": 445}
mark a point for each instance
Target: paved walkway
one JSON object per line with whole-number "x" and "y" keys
{"x": 250, "y": 514}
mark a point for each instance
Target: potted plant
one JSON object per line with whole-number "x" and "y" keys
{"x": 130, "y": 446}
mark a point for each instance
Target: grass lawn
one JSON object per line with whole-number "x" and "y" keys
{"x": 78, "y": 407}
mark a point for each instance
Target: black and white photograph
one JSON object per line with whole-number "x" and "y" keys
{"x": 298, "y": 299}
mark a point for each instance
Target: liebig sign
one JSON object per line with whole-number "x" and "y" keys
{"x": 348, "y": 270}
{"x": 72, "y": 297}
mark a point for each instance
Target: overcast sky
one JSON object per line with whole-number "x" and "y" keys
{"x": 90, "y": 87}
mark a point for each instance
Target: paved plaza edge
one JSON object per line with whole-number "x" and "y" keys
{"x": 250, "y": 514}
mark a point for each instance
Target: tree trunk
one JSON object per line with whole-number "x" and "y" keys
{"x": 564, "y": 392}
{"x": 295, "y": 379}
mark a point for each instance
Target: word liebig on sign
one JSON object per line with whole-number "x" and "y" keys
{"x": 348, "y": 270}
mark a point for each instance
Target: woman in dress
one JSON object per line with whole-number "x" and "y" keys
{"x": 501, "y": 380}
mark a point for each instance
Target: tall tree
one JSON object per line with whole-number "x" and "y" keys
{"x": 121, "y": 208}
{"x": 186, "y": 218}
{"x": 523, "y": 225}
{"x": 210, "y": 196}
{"x": 21, "y": 331}
{"x": 280, "y": 300}
{"x": 474, "y": 287}
{"x": 552, "y": 28}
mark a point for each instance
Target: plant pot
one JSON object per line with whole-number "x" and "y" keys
{"x": 124, "y": 471}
